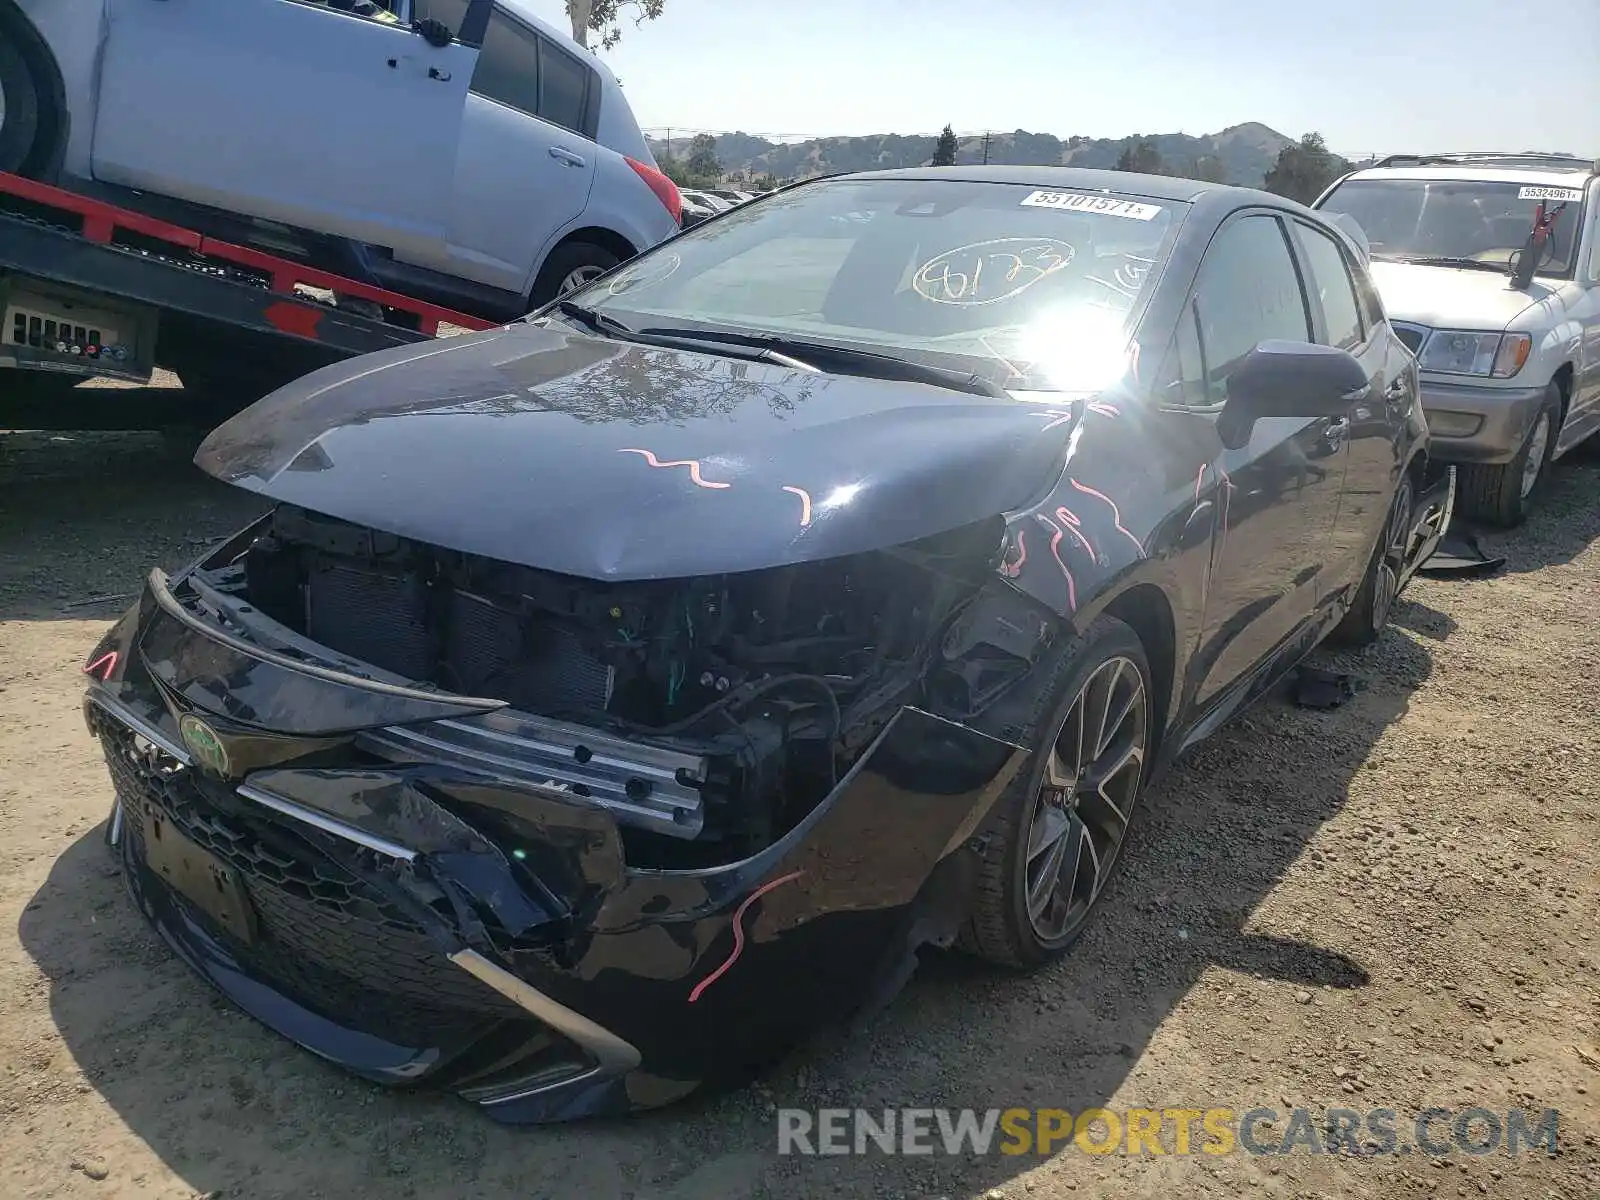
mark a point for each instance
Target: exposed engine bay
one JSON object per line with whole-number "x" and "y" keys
{"x": 778, "y": 677}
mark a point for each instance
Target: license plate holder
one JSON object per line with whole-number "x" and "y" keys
{"x": 197, "y": 875}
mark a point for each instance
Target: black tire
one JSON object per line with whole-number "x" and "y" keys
{"x": 1494, "y": 493}
{"x": 1380, "y": 585}
{"x": 999, "y": 926}
{"x": 20, "y": 94}
{"x": 565, "y": 261}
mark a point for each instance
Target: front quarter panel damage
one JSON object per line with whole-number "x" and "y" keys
{"x": 740, "y": 961}
{"x": 1139, "y": 501}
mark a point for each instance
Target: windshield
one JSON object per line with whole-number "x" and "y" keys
{"x": 1031, "y": 288}
{"x": 1471, "y": 220}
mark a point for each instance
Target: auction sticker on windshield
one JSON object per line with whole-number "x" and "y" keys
{"x": 1549, "y": 193}
{"x": 1108, "y": 206}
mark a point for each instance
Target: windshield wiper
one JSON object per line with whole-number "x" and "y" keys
{"x": 598, "y": 322}
{"x": 843, "y": 360}
{"x": 1471, "y": 264}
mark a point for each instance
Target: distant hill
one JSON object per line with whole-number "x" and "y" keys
{"x": 1242, "y": 153}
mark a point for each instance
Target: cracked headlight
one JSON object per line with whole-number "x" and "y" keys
{"x": 1463, "y": 352}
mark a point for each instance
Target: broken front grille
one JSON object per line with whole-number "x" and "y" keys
{"x": 325, "y": 938}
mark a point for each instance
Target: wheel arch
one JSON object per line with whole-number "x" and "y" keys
{"x": 594, "y": 235}
{"x": 1563, "y": 377}
{"x": 44, "y": 161}
{"x": 599, "y": 235}
{"x": 1145, "y": 608}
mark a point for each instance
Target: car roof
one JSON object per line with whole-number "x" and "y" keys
{"x": 1574, "y": 176}
{"x": 1127, "y": 183}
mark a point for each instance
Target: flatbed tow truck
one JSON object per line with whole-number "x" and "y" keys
{"x": 89, "y": 290}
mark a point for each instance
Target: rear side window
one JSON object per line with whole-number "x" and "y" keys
{"x": 524, "y": 71}
{"x": 563, "y": 88}
{"x": 1330, "y": 280}
{"x": 508, "y": 65}
{"x": 1248, "y": 292}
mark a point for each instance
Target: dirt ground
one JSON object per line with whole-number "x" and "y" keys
{"x": 1393, "y": 904}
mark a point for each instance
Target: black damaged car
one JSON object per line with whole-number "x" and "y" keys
{"x": 607, "y": 699}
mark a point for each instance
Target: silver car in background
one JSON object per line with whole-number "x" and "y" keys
{"x": 460, "y": 151}
{"x": 1489, "y": 265}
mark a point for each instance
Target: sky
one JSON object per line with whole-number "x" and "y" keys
{"x": 1371, "y": 75}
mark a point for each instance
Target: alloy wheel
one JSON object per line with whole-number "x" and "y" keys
{"x": 577, "y": 278}
{"x": 1392, "y": 560}
{"x": 1538, "y": 447}
{"x": 1086, "y": 797}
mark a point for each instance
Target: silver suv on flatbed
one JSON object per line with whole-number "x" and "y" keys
{"x": 1489, "y": 266}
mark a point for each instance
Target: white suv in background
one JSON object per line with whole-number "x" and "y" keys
{"x": 458, "y": 150}
{"x": 1504, "y": 321}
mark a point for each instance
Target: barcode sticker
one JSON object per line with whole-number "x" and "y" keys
{"x": 1572, "y": 195}
{"x": 1109, "y": 206}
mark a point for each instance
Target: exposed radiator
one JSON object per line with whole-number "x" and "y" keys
{"x": 535, "y": 664}
{"x": 488, "y": 648}
{"x": 378, "y": 617}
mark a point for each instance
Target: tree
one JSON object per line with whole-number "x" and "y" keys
{"x": 604, "y": 17}
{"x": 675, "y": 170}
{"x": 703, "y": 162}
{"x": 944, "y": 150}
{"x": 1141, "y": 156}
{"x": 1304, "y": 169}
{"x": 1207, "y": 168}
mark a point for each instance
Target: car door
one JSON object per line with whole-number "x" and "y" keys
{"x": 291, "y": 111}
{"x": 526, "y": 158}
{"x": 1275, "y": 489}
{"x": 1346, "y": 315}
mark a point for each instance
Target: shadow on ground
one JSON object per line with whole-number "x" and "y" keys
{"x": 84, "y": 516}
{"x": 233, "y": 1109}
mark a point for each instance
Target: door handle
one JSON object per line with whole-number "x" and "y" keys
{"x": 563, "y": 155}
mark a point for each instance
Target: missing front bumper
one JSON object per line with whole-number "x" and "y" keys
{"x": 620, "y": 989}
{"x": 1433, "y": 510}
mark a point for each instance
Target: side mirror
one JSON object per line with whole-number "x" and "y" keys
{"x": 1296, "y": 379}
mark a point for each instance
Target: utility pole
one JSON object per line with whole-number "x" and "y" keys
{"x": 986, "y": 147}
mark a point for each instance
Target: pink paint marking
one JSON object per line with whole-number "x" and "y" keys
{"x": 805, "y": 503}
{"x": 1105, "y": 410}
{"x": 103, "y": 666}
{"x": 1199, "y": 481}
{"x": 692, "y": 463}
{"x": 738, "y": 932}
{"x": 1116, "y": 514}
{"x": 1012, "y": 569}
{"x": 1055, "y": 550}
{"x": 1222, "y": 527}
{"x": 1070, "y": 522}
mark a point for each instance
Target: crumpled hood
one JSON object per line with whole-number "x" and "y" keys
{"x": 1453, "y": 297}
{"x": 609, "y": 460}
